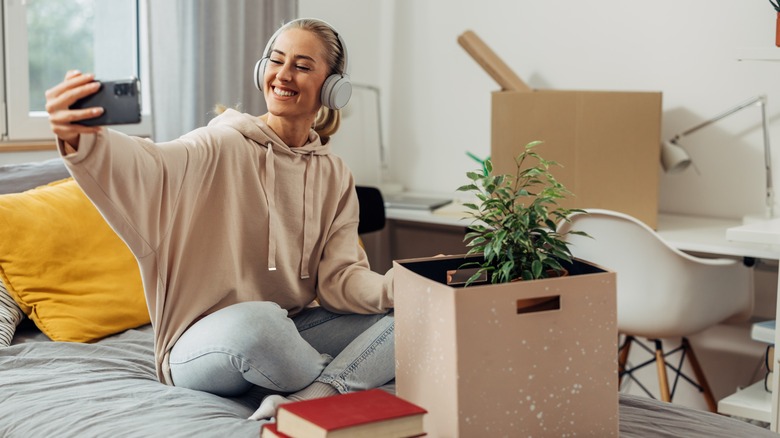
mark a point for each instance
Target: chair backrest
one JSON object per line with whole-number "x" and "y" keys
{"x": 662, "y": 291}
{"x": 372, "y": 209}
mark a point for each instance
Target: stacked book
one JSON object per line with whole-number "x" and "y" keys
{"x": 765, "y": 332}
{"x": 372, "y": 414}
{"x": 770, "y": 368}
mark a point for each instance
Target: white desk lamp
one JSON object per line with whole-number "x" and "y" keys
{"x": 675, "y": 159}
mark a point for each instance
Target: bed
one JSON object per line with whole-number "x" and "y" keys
{"x": 96, "y": 378}
{"x": 107, "y": 388}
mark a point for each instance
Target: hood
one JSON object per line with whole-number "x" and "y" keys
{"x": 256, "y": 129}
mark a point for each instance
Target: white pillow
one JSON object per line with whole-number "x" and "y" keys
{"x": 10, "y": 316}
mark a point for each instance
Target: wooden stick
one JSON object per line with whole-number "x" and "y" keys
{"x": 699, "y": 372}
{"x": 491, "y": 63}
{"x": 663, "y": 381}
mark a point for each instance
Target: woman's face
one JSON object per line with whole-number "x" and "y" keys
{"x": 294, "y": 75}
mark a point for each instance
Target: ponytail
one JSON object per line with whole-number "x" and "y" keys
{"x": 327, "y": 123}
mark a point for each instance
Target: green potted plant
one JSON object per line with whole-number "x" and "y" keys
{"x": 516, "y": 220}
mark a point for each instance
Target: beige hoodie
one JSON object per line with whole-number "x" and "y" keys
{"x": 229, "y": 213}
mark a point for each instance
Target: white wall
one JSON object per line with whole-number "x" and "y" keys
{"x": 436, "y": 99}
{"x": 24, "y": 157}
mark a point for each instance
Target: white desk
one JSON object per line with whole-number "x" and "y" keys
{"x": 709, "y": 235}
{"x": 687, "y": 233}
{"x": 425, "y": 216}
{"x": 767, "y": 236}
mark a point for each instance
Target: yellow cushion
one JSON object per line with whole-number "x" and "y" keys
{"x": 65, "y": 267}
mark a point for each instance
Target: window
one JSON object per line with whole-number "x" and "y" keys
{"x": 43, "y": 39}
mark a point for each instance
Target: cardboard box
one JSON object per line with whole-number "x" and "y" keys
{"x": 528, "y": 358}
{"x": 608, "y": 143}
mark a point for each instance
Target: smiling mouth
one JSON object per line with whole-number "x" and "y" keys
{"x": 284, "y": 93}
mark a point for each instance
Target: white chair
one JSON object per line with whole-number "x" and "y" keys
{"x": 662, "y": 292}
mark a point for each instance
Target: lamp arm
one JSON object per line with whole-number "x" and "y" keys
{"x": 770, "y": 190}
{"x": 758, "y": 99}
{"x": 382, "y": 152}
{"x": 761, "y": 101}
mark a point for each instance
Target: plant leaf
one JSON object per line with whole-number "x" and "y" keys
{"x": 536, "y": 268}
{"x": 516, "y": 218}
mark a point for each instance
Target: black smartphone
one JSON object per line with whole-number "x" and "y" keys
{"x": 120, "y": 99}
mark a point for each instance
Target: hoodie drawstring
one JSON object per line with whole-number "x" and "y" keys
{"x": 308, "y": 208}
{"x": 309, "y": 230}
{"x": 270, "y": 188}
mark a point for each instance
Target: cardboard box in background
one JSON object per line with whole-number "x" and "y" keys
{"x": 608, "y": 143}
{"x": 501, "y": 360}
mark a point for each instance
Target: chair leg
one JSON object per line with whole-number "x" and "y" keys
{"x": 699, "y": 381}
{"x": 660, "y": 362}
{"x": 623, "y": 357}
{"x": 699, "y": 372}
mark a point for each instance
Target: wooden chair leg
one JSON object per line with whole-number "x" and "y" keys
{"x": 660, "y": 362}
{"x": 699, "y": 372}
{"x": 623, "y": 357}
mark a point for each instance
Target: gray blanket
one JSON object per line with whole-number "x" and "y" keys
{"x": 109, "y": 389}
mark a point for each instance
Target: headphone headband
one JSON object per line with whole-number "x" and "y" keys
{"x": 337, "y": 88}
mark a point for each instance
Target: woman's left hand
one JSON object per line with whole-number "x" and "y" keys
{"x": 58, "y": 101}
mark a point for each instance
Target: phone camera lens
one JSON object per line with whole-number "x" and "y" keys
{"x": 121, "y": 89}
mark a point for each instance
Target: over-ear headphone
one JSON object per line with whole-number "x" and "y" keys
{"x": 337, "y": 88}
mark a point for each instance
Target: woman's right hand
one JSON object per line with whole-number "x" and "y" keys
{"x": 58, "y": 101}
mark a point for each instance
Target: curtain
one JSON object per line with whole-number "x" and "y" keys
{"x": 203, "y": 53}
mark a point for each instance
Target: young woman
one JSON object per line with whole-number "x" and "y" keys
{"x": 245, "y": 232}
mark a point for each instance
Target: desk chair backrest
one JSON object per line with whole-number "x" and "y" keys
{"x": 662, "y": 292}
{"x": 372, "y": 209}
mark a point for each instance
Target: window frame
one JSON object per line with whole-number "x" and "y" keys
{"x": 17, "y": 123}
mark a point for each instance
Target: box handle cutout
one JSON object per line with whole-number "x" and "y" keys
{"x": 540, "y": 304}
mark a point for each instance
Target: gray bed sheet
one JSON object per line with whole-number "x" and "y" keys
{"x": 109, "y": 388}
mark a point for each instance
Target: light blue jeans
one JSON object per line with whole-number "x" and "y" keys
{"x": 256, "y": 343}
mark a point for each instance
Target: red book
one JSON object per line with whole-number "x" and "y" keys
{"x": 373, "y": 413}
{"x": 270, "y": 431}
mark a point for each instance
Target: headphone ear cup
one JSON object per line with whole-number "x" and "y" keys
{"x": 260, "y": 72}
{"x": 336, "y": 91}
